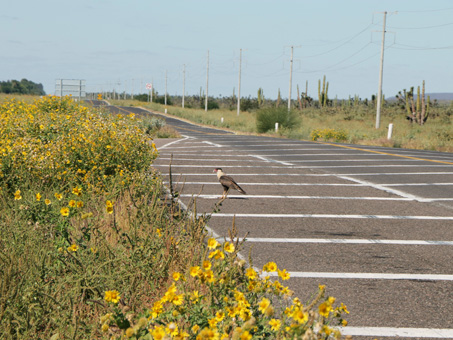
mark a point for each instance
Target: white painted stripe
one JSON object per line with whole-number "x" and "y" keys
{"x": 302, "y": 197}
{"x": 426, "y": 200}
{"x": 373, "y": 276}
{"x": 414, "y": 184}
{"x": 434, "y": 333}
{"x": 279, "y": 184}
{"x": 213, "y": 144}
{"x": 224, "y": 160}
{"x": 308, "y": 155}
{"x": 377, "y": 217}
{"x": 316, "y": 166}
{"x": 271, "y": 160}
{"x": 328, "y": 175}
{"x": 346, "y": 241}
{"x": 382, "y": 188}
{"x": 171, "y": 143}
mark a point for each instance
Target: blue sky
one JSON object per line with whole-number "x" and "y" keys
{"x": 125, "y": 44}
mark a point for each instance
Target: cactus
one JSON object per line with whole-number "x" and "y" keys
{"x": 279, "y": 98}
{"x": 260, "y": 96}
{"x": 322, "y": 95}
{"x": 417, "y": 110}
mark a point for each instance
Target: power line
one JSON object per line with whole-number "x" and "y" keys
{"x": 421, "y": 48}
{"x": 337, "y": 47}
{"x": 421, "y": 28}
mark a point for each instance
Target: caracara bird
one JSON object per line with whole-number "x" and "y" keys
{"x": 227, "y": 183}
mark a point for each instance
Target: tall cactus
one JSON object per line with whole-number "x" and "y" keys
{"x": 417, "y": 109}
{"x": 279, "y": 98}
{"x": 322, "y": 95}
{"x": 260, "y": 96}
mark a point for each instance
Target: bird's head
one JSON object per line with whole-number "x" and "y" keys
{"x": 217, "y": 169}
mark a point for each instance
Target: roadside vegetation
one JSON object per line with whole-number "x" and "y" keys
{"x": 418, "y": 122}
{"x": 93, "y": 246}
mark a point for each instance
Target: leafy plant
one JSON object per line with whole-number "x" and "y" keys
{"x": 267, "y": 117}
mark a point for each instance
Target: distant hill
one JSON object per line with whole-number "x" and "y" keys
{"x": 441, "y": 97}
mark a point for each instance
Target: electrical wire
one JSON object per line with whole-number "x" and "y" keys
{"x": 337, "y": 47}
{"x": 420, "y": 28}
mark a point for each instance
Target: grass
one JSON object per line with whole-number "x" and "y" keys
{"x": 93, "y": 247}
{"x": 357, "y": 123}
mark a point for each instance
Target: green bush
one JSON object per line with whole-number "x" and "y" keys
{"x": 267, "y": 117}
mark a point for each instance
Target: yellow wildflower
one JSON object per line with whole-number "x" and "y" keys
{"x": 194, "y": 271}
{"x": 195, "y": 328}
{"x": 228, "y": 247}
{"x": 58, "y": 196}
{"x": 72, "y": 203}
{"x": 38, "y": 196}
{"x": 206, "y": 265}
{"x": 47, "y": 201}
{"x": 284, "y": 275}
{"x": 178, "y": 300}
{"x": 79, "y": 204}
{"x": 17, "y": 195}
{"x": 74, "y": 247}
{"x": 158, "y": 333}
{"x": 64, "y": 211}
{"x": 275, "y": 324}
{"x": 250, "y": 273}
{"x": 109, "y": 206}
{"x": 77, "y": 191}
{"x": 270, "y": 267}
{"x": 176, "y": 276}
{"x": 246, "y": 336}
{"x": 112, "y": 296}
{"x": 325, "y": 308}
{"x": 212, "y": 243}
{"x": 263, "y": 304}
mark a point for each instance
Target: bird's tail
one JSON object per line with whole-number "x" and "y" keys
{"x": 238, "y": 188}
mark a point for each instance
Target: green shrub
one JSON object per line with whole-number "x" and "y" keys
{"x": 267, "y": 117}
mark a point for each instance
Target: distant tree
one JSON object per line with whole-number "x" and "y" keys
{"x": 21, "y": 87}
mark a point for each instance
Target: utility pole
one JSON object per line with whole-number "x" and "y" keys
{"x": 183, "y": 84}
{"x": 165, "y": 88}
{"x": 379, "y": 97}
{"x": 239, "y": 85}
{"x": 207, "y": 83}
{"x": 290, "y": 78}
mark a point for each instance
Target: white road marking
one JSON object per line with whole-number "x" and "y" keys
{"x": 316, "y": 166}
{"x": 301, "y": 197}
{"x": 176, "y": 141}
{"x": 435, "y": 333}
{"x": 377, "y": 217}
{"x": 366, "y": 276}
{"x": 328, "y": 175}
{"x": 382, "y": 188}
{"x": 213, "y": 144}
{"x": 426, "y": 200}
{"x": 271, "y": 160}
{"x": 280, "y": 184}
{"x": 347, "y": 241}
{"x": 414, "y": 184}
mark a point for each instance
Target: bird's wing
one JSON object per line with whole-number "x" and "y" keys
{"x": 229, "y": 182}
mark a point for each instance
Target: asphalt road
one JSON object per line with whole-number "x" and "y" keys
{"x": 374, "y": 224}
